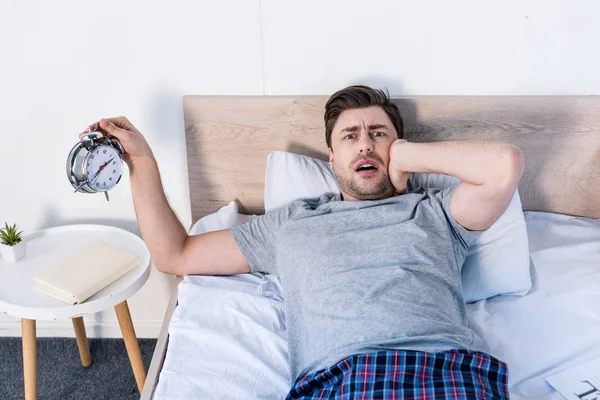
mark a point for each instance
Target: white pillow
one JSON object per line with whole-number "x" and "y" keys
{"x": 226, "y": 217}
{"x": 498, "y": 262}
{"x": 292, "y": 176}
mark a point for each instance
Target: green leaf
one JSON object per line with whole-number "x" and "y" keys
{"x": 9, "y": 234}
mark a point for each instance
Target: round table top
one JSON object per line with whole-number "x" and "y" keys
{"x": 49, "y": 246}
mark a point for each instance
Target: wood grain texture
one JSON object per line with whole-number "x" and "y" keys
{"x": 29, "y": 358}
{"x": 229, "y": 138}
{"x": 131, "y": 344}
{"x": 82, "y": 342}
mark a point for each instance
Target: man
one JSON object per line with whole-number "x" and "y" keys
{"x": 371, "y": 277}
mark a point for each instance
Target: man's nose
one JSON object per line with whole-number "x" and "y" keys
{"x": 366, "y": 143}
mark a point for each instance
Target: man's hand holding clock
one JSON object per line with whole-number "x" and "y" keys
{"x": 131, "y": 139}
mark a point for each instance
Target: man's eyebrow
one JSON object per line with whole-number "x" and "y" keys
{"x": 350, "y": 129}
{"x": 377, "y": 126}
{"x": 356, "y": 128}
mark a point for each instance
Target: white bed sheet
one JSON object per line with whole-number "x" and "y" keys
{"x": 228, "y": 340}
{"x": 557, "y": 325}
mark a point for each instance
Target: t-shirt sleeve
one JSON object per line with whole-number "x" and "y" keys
{"x": 464, "y": 236}
{"x": 257, "y": 240}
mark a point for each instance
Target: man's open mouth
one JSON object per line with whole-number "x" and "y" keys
{"x": 366, "y": 167}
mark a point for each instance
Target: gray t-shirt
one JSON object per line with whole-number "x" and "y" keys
{"x": 361, "y": 276}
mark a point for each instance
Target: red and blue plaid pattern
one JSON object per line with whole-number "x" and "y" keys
{"x": 404, "y": 374}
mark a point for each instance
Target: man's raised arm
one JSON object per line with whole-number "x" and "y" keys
{"x": 172, "y": 250}
{"x": 489, "y": 172}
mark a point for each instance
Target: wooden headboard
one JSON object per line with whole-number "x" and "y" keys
{"x": 228, "y": 140}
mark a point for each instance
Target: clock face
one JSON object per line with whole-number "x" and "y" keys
{"x": 104, "y": 168}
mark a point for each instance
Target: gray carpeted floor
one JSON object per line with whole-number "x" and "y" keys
{"x": 60, "y": 374}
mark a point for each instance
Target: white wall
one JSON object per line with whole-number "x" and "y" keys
{"x": 65, "y": 64}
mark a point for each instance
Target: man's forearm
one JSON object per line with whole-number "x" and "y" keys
{"x": 161, "y": 230}
{"x": 476, "y": 162}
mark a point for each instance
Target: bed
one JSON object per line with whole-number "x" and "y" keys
{"x": 224, "y": 337}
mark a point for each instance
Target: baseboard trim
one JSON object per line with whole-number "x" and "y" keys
{"x": 143, "y": 329}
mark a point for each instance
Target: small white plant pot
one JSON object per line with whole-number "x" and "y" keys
{"x": 13, "y": 253}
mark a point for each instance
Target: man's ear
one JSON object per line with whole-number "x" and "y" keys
{"x": 330, "y": 157}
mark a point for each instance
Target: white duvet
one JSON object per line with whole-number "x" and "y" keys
{"x": 226, "y": 341}
{"x": 227, "y": 337}
{"x": 557, "y": 325}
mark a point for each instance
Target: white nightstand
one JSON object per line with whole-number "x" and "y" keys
{"x": 47, "y": 247}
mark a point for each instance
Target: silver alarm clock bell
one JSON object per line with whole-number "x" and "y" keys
{"x": 95, "y": 163}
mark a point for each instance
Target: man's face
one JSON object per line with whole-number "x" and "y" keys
{"x": 360, "y": 153}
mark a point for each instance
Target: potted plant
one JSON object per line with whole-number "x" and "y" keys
{"x": 12, "y": 246}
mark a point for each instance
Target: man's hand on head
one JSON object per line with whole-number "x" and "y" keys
{"x": 398, "y": 176}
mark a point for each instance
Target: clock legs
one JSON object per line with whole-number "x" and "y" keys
{"x": 131, "y": 343}
{"x": 29, "y": 358}
{"x": 82, "y": 342}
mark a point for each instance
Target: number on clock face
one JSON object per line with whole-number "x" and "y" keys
{"x": 104, "y": 168}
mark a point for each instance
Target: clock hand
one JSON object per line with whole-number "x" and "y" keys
{"x": 100, "y": 170}
{"x": 95, "y": 176}
{"x": 91, "y": 181}
{"x": 105, "y": 164}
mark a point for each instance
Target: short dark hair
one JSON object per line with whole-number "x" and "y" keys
{"x": 360, "y": 96}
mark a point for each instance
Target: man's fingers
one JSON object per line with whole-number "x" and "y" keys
{"x": 120, "y": 122}
{"x": 107, "y": 126}
{"x": 120, "y": 128}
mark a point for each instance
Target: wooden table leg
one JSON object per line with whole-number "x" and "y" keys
{"x": 29, "y": 358}
{"x": 82, "y": 342}
{"x": 131, "y": 343}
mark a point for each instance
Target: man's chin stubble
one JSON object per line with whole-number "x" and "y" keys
{"x": 353, "y": 188}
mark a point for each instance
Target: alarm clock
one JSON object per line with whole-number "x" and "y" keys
{"x": 95, "y": 164}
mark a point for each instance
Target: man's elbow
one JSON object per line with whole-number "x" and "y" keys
{"x": 513, "y": 167}
{"x": 166, "y": 268}
{"x": 516, "y": 160}
{"x": 172, "y": 260}
{"x": 171, "y": 266}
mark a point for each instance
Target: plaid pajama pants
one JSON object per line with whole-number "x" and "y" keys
{"x": 404, "y": 374}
